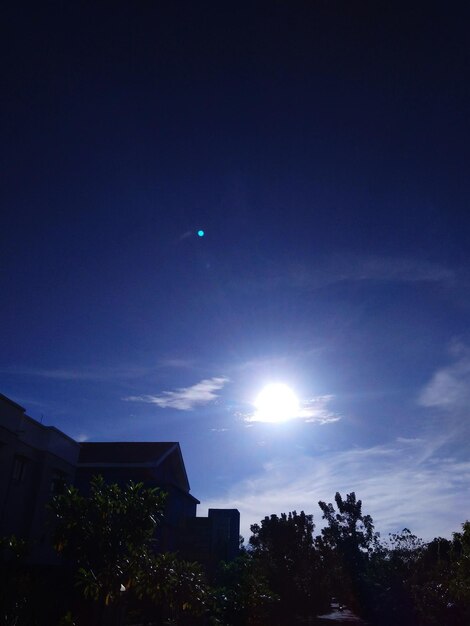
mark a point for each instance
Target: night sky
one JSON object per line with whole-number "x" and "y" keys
{"x": 323, "y": 148}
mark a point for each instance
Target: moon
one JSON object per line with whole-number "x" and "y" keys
{"x": 276, "y": 403}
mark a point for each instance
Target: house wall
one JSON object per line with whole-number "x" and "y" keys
{"x": 226, "y": 533}
{"x": 210, "y": 540}
{"x": 33, "y": 459}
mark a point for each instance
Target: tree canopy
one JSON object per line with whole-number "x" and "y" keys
{"x": 107, "y": 533}
{"x": 287, "y": 576}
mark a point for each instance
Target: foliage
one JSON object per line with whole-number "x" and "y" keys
{"x": 177, "y": 587}
{"x": 285, "y": 549}
{"x": 15, "y": 581}
{"x": 242, "y": 594}
{"x": 440, "y": 582}
{"x": 13, "y": 548}
{"x": 25, "y": 589}
{"x": 283, "y": 537}
{"x": 401, "y": 581}
{"x": 67, "y": 620}
{"x": 285, "y": 576}
{"x": 347, "y": 543}
{"x": 460, "y": 585}
{"x": 389, "y": 569}
{"x": 107, "y": 534}
{"x": 405, "y": 548}
{"x": 348, "y": 531}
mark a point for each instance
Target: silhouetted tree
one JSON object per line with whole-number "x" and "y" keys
{"x": 440, "y": 582}
{"x": 285, "y": 548}
{"x": 391, "y": 565}
{"x": 15, "y": 582}
{"x": 242, "y": 593}
{"x": 25, "y": 587}
{"x": 460, "y": 586}
{"x": 346, "y": 544}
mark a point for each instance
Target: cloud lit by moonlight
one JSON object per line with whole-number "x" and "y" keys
{"x": 277, "y": 403}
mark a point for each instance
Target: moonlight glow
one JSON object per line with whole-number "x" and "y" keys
{"x": 276, "y": 403}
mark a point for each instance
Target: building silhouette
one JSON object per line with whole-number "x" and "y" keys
{"x": 36, "y": 460}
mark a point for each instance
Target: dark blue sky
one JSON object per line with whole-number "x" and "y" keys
{"x": 323, "y": 148}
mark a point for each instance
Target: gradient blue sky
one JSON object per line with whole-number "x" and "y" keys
{"x": 323, "y": 147}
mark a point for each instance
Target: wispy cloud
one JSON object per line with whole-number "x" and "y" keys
{"x": 99, "y": 373}
{"x": 91, "y": 373}
{"x": 176, "y": 363}
{"x": 315, "y": 410}
{"x": 401, "y": 484}
{"x": 352, "y": 268}
{"x": 449, "y": 388}
{"x": 271, "y": 362}
{"x": 393, "y": 269}
{"x": 185, "y": 398}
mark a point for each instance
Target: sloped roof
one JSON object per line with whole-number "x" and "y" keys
{"x": 10, "y": 401}
{"x": 137, "y": 455}
{"x": 125, "y": 451}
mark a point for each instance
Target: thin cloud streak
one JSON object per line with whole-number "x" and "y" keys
{"x": 83, "y": 373}
{"x": 274, "y": 362}
{"x": 352, "y": 268}
{"x": 449, "y": 388}
{"x": 176, "y": 363}
{"x": 96, "y": 373}
{"x": 185, "y": 398}
{"x": 314, "y": 410}
{"x": 394, "y": 269}
{"x": 401, "y": 485}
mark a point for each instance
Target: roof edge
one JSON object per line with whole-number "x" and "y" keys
{"x": 12, "y": 402}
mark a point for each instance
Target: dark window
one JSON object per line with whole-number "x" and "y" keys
{"x": 19, "y": 469}
{"x": 58, "y": 482}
